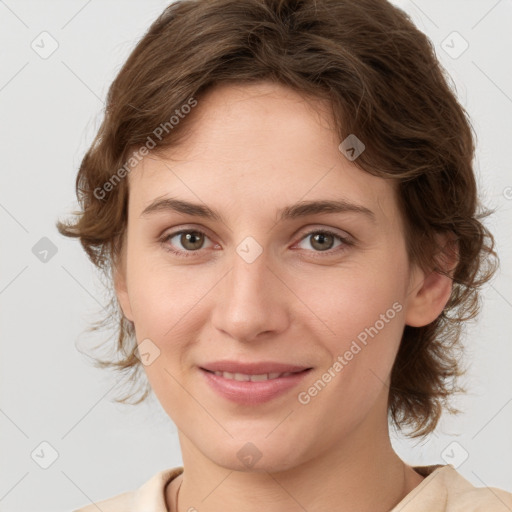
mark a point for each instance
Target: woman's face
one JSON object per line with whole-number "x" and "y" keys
{"x": 264, "y": 282}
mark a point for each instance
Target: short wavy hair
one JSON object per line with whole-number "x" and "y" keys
{"x": 381, "y": 76}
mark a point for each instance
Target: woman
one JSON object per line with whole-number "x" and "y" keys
{"x": 283, "y": 197}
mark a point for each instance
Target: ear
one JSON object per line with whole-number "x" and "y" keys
{"x": 430, "y": 291}
{"x": 122, "y": 290}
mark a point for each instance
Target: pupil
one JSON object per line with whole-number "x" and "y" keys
{"x": 194, "y": 239}
{"x": 320, "y": 237}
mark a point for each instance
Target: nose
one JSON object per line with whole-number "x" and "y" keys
{"x": 252, "y": 301}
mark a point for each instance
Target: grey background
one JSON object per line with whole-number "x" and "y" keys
{"x": 50, "y": 109}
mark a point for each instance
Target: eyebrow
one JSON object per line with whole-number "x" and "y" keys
{"x": 295, "y": 211}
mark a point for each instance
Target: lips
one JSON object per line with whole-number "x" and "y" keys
{"x": 250, "y": 389}
{"x": 243, "y": 377}
{"x": 253, "y": 368}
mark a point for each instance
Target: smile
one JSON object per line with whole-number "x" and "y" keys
{"x": 253, "y": 378}
{"x": 245, "y": 389}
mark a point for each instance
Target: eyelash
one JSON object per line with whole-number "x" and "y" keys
{"x": 187, "y": 254}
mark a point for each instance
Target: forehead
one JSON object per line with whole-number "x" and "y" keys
{"x": 253, "y": 146}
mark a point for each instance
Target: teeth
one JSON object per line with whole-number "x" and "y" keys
{"x": 253, "y": 378}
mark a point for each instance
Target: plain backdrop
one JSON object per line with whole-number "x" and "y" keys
{"x": 56, "y": 410}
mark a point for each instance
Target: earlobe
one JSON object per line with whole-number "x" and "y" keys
{"x": 430, "y": 291}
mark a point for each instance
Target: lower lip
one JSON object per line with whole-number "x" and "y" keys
{"x": 250, "y": 393}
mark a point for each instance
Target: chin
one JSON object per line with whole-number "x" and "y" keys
{"x": 263, "y": 456}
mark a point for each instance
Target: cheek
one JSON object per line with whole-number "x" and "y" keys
{"x": 365, "y": 320}
{"x": 346, "y": 302}
{"x": 161, "y": 295}
{"x": 358, "y": 315}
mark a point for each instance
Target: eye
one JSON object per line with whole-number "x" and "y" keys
{"x": 191, "y": 240}
{"x": 322, "y": 240}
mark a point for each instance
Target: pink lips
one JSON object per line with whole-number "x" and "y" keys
{"x": 252, "y": 368}
{"x": 249, "y": 392}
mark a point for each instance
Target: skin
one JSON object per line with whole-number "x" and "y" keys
{"x": 252, "y": 150}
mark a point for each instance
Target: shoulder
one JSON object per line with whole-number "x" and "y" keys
{"x": 116, "y": 503}
{"x": 150, "y": 495}
{"x": 479, "y": 499}
{"x": 445, "y": 490}
{"x": 463, "y": 496}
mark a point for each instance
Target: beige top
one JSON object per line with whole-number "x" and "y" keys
{"x": 442, "y": 490}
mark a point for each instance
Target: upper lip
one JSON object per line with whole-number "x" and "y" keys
{"x": 254, "y": 368}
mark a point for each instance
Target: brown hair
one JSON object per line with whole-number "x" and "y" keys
{"x": 381, "y": 77}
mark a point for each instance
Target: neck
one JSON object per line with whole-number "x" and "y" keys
{"x": 363, "y": 473}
